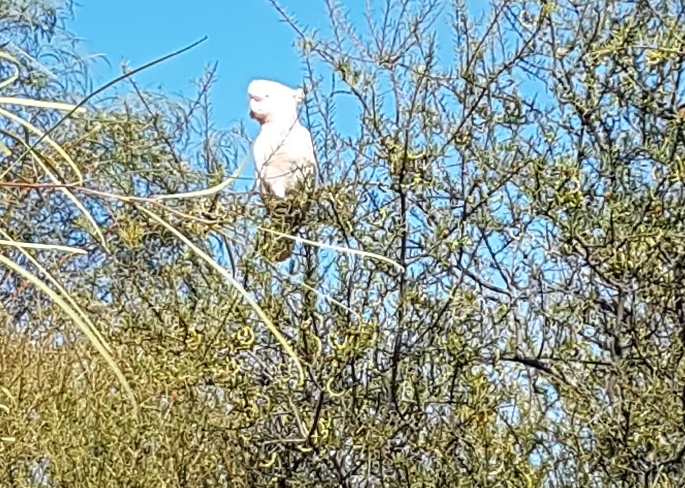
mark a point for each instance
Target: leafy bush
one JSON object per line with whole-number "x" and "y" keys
{"x": 512, "y": 313}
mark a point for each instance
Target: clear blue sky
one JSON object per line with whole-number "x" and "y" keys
{"x": 246, "y": 37}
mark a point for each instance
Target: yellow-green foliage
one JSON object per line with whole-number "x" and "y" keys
{"x": 488, "y": 293}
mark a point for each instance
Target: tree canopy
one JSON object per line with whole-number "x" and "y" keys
{"x": 490, "y": 291}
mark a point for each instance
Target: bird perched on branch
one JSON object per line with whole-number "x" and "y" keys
{"x": 284, "y": 158}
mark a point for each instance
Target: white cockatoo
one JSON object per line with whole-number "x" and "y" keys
{"x": 284, "y": 156}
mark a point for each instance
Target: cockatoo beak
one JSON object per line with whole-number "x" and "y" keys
{"x": 255, "y": 98}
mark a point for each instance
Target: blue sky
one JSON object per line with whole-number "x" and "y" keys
{"x": 246, "y": 38}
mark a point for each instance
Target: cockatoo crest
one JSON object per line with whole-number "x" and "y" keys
{"x": 272, "y": 102}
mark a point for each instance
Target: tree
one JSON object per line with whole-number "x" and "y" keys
{"x": 513, "y": 315}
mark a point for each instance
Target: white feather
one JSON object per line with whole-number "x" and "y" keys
{"x": 283, "y": 151}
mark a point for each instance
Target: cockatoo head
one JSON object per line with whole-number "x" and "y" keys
{"x": 272, "y": 102}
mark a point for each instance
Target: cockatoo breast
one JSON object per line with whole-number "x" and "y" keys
{"x": 284, "y": 157}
